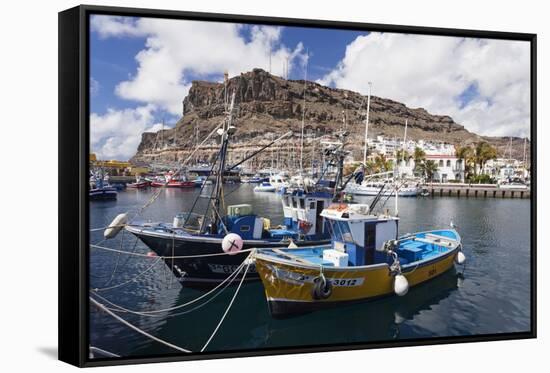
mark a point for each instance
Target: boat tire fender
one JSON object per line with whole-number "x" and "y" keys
{"x": 322, "y": 289}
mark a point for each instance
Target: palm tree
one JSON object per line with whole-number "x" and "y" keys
{"x": 466, "y": 154}
{"x": 419, "y": 158}
{"x": 428, "y": 169}
{"x": 402, "y": 154}
{"x": 484, "y": 152}
{"x": 381, "y": 164}
{"x": 419, "y": 155}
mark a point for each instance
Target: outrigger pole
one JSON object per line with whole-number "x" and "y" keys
{"x": 260, "y": 150}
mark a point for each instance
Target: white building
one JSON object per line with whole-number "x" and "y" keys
{"x": 450, "y": 168}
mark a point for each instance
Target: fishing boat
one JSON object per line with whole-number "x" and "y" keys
{"x": 100, "y": 190}
{"x": 365, "y": 260}
{"x": 197, "y": 246}
{"x": 171, "y": 181}
{"x": 102, "y": 193}
{"x": 265, "y": 187}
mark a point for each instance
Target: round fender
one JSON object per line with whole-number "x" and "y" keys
{"x": 322, "y": 289}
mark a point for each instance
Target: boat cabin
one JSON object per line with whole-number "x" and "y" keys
{"x": 359, "y": 234}
{"x": 302, "y": 211}
{"x": 241, "y": 220}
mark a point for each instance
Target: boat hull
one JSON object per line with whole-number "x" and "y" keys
{"x": 106, "y": 194}
{"x": 140, "y": 185}
{"x": 366, "y": 191}
{"x": 173, "y": 184}
{"x": 289, "y": 288}
{"x": 204, "y": 271}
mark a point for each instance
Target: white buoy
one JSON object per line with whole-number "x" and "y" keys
{"x": 232, "y": 243}
{"x": 460, "y": 258}
{"x": 116, "y": 225}
{"x": 400, "y": 285}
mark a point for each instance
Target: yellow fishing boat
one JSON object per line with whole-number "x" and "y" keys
{"x": 365, "y": 260}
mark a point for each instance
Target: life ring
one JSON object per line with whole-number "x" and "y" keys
{"x": 322, "y": 289}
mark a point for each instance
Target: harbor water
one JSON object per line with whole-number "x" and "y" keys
{"x": 491, "y": 294}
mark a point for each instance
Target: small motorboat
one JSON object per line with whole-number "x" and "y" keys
{"x": 365, "y": 260}
{"x": 515, "y": 183}
{"x": 140, "y": 183}
{"x": 265, "y": 187}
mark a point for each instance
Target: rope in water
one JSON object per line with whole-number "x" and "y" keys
{"x": 130, "y": 280}
{"x": 228, "y": 279}
{"x": 228, "y": 307}
{"x": 173, "y": 314}
{"x": 131, "y": 326}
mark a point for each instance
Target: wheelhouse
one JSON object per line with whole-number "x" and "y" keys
{"x": 358, "y": 233}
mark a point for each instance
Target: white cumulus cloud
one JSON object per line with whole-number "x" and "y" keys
{"x": 434, "y": 71}
{"x": 117, "y": 133}
{"x": 176, "y": 49}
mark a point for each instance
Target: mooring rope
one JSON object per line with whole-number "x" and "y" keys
{"x": 228, "y": 307}
{"x": 131, "y": 326}
{"x": 170, "y": 257}
{"x": 228, "y": 280}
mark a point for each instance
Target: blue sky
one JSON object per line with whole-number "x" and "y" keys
{"x": 113, "y": 59}
{"x": 141, "y": 70}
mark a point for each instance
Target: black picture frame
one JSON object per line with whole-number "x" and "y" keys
{"x": 73, "y": 180}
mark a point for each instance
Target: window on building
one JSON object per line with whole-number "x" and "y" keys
{"x": 448, "y": 163}
{"x": 440, "y": 163}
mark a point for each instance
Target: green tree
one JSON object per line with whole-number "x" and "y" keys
{"x": 419, "y": 155}
{"x": 484, "y": 152}
{"x": 419, "y": 158}
{"x": 402, "y": 154}
{"x": 467, "y": 155}
{"x": 428, "y": 169}
{"x": 381, "y": 164}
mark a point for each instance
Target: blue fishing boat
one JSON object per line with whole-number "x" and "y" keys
{"x": 204, "y": 235}
{"x": 100, "y": 190}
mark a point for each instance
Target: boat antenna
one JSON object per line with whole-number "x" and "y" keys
{"x": 367, "y": 126}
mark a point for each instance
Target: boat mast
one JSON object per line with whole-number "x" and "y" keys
{"x": 303, "y": 120}
{"x": 524, "y": 152}
{"x": 225, "y": 132}
{"x": 367, "y": 126}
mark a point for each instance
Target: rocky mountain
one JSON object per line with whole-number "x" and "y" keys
{"x": 269, "y": 106}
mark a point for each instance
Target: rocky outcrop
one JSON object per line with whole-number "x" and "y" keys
{"x": 269, "y": 106}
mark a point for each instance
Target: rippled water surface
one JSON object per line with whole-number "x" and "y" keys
{"x": 491, "y": 296}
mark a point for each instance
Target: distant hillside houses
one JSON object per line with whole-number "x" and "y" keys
{"x": 449, "y": 167}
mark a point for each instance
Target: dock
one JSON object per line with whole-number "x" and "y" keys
{"x": 475, "y": 191}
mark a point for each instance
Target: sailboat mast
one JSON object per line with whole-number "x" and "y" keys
{"x": 367, "y": 126}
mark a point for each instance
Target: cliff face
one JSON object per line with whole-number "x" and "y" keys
{"x": 269, "y": 106}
